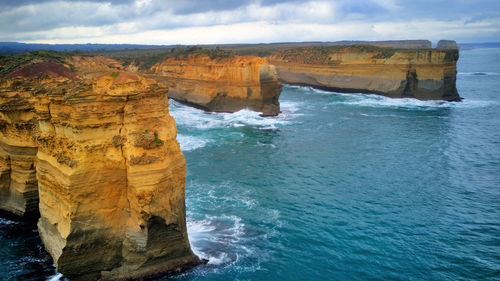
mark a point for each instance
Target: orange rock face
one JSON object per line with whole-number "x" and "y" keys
{"x": 426, "y": 74}
{"x": 224, "y": 84}
{"x": 101, "y": 146}
{"x": 18, "y": 149}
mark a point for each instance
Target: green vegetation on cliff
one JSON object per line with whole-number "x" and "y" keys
{"x": 10, "y": 62}
{"x": 321, "y": 54}
{"x": 195, "y": 50}
{"x": 146, "y": 58}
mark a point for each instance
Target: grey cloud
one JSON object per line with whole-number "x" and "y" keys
{"x": 155, "y": 14}
{"x": 18, "y": 17}
{"x": 446, "y": 9}
{"x": 19, "y": 3}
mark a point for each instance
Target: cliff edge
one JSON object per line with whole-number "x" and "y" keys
{"x": 426, "y": 74}
{"x": 100, "y": 146}
{"x": 221, "y": 84}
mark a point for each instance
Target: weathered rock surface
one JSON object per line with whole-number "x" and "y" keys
{"x": 101, "y": 146}
{"x": 18, "y": 149}
{"x": 226, "y": 84}
{"x": 426, "y": 74}
{"x": 447, "y": 44}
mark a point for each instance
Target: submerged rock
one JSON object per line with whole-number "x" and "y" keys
{"x": 75, "y": 127}
{"x": 426, "y": 74}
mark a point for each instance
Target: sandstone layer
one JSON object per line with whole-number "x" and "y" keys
{"x": 447, "y": 44}
{"x": 221, "y": 84}
{"x": 18, "y": 149}
{"x": 101, "y": 146}
{"x": 426, "y": 74}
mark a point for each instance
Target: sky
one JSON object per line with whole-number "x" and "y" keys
{"x": 164, "y": 22}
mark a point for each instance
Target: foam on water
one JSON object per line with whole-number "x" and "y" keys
{"x": 195, "y": 118}
{"x": 224, "y": 237}
{"x": 373, "y": 100}
{"x": 369, "y": 100}
{"x": 56, "y": 277}
{"x": 479, "y": 73}
{"x": 381, "y": 101}
{"x": 192, "y": 117}
{"x": 189, "y": 143}
{"x": 6, "y": 221}
{"x": 308, "y": 90}
{"x": 207, "y": 236}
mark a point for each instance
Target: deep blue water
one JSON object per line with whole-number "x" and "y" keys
{"x": 340, "y": 187}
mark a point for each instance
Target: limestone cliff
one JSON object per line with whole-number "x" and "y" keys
{"x": 225, "y": 84}
{"x": 109, "y": 170}
{"x": 18, "y": 148}
{"x": 426, "y": 74}
{"x": 447, "y": 44}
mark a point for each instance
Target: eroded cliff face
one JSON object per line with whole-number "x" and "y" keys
{"x": 426, "y": 74}
{"x": 18, "y": 149}
{"x": 101, "y": 146}
{"x": 225, "y": 84}
{"x": 447, "y": 44}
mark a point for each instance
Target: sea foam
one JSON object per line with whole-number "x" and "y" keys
{"x": 479, "y": 73}
{"x": 189, "y": 143}
{"x": 195, "y": 118}
{"x": 56, "y": 277}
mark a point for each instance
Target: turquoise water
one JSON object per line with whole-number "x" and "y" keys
{"x": 342, "y": 186}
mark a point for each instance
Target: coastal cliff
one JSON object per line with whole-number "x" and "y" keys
{"x": 426, "y": 74}
{"x": 447, "y": 44}
{"x": 101, "y": 146}
{"x": 221, "y": 84}
{"x": 18, "y": 149}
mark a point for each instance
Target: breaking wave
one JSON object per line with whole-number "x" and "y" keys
{"x": 189, "y": 143}
{"x": 370, "y": 100}
{"x": 225, "y": 237}
{"x": 186, "y": 116}
{"x": 6, "y": 221}
{"x": 56, "y": 277}
{"x": 373, "y": 100}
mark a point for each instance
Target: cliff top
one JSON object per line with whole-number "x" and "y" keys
{"x": 39, "y": 63}
{"x": 322, "y": 55}
{"x": 211, "y": 57}
{"x": 73, "y": 75}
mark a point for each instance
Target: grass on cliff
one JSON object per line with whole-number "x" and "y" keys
{"x": 258, "y": 52}
{"x": 10, "y": 62}
{"x": 216, "y": 53}
{"x": 144, "y": 59}
{"x": 321, "y": 54}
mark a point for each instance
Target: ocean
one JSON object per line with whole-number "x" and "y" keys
{"x": 337, "y": 187}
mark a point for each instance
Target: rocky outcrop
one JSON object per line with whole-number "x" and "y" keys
{"x": 221, "y": 84}
{"x": 101, "y": 146}
{"x": 426, "y": 74}
{"x": 447, "y": 44}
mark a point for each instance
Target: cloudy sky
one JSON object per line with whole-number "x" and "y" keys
{"x": 252, "y": 21}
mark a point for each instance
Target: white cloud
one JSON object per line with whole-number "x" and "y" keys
{"x": 157, "y": 22}
{"x": 263, "y": 32}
